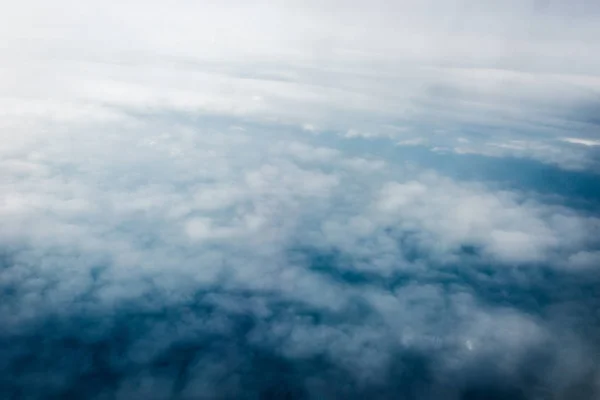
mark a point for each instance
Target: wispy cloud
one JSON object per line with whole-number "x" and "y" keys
{"x": 494, "y": 72}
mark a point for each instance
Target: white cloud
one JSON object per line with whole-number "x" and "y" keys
{"x": 109, "y": 219}
{"x": 584, "y": 142}
{"x": 542, "y": 150}
{"x": 450, "y": 65}
{"x": 411, "y": 142}
{"x": 161, "y": 159}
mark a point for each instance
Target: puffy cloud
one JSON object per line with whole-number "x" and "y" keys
{"x": 220, "y": 244}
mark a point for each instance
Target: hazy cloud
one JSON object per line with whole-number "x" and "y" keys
{"x": 261, "y": 200}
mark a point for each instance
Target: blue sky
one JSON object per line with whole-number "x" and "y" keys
{"x": 311, "y": 200}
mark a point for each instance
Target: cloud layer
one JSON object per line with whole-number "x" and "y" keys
{"x": 517, "y": 79}
{"x": 217, "y": 261}
{"x": 285, "y": 200}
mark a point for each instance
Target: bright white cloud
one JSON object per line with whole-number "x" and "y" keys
{"x": 503, "y": 72}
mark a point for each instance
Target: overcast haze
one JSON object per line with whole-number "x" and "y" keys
{"x": 300, "y": 200}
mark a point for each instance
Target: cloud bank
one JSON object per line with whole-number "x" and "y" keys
{"x": 304, "y": 201}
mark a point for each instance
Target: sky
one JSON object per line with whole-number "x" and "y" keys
{"x": 300, "y": 200}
